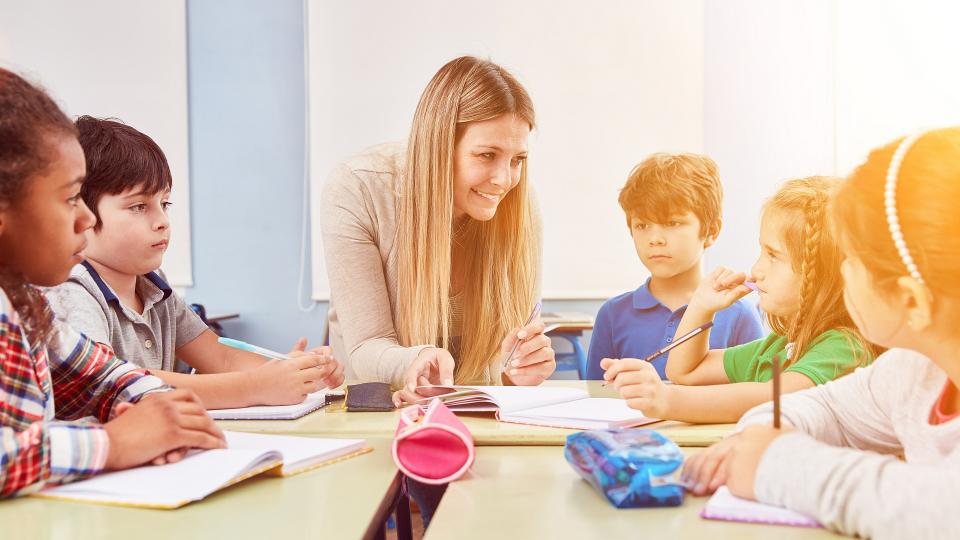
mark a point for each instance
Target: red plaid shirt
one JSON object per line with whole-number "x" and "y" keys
{"x": 40, "y": 444}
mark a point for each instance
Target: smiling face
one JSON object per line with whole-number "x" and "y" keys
{"x": 488, "y": 161}
{"x": 42, "y": 234}
{"x": 671, "y": 248}
{"x": 134, "y": 233}
{"x": 777, "y": 282}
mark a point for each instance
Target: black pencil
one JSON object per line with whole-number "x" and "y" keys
{"x": 776, "y": 392}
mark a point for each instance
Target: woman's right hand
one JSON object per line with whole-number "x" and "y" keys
{"x": 719, "y": 290}
{"x": 431, "y": 367}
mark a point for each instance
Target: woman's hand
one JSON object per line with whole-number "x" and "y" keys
{"x": 432, "y": 366}
{"x": 534, "y": 359}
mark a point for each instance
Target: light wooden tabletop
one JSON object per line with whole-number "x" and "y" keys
{"x": 334, "y": 421}
{"x": 532, "y": 493}
{"x": 342, "y": 500}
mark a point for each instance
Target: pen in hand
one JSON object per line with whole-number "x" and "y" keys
{"x": 533, "y": 315}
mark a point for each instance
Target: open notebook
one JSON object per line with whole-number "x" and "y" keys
{"x": 725, "y": 506}
{"x": 204, "y": 472}
{"x": 313, "y": 402}
{"x": 543, "y": 406}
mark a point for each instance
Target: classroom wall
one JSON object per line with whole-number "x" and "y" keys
{"x": 246, "y": 82}
{"x": 246, "y": 92}
{"x": 790, "y": 89}
{"x": 70, "y": 48}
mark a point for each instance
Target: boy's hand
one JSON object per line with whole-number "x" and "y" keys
{"x": 287, "y": 382}
{"x": 161, "y": 425}
{"x": 719, "y": 290}
{"x": 639, "y": 384}
{"x": 335, "y": 377}
{"x": 534, "y": 360}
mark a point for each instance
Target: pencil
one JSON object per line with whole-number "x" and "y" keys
{"x": 686, "y": 337}
{"x": 776, "y": 391}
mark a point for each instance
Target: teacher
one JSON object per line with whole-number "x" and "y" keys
{"x": 433, "y": 247}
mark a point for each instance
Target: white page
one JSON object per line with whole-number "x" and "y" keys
{"x": 296, "y": 451}
{"x": 513, "y": 398}
{"x": 193, "y": 478}
{"x": 312, "y": 402}
{"x": 590, "y": 413}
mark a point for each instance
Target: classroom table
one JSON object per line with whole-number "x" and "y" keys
{"x": 532, "y": 492}
{"x": 334, "y": 421}
{"x": 348, "y": 499}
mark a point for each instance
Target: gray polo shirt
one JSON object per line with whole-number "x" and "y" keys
{"x": 149, "y": 340}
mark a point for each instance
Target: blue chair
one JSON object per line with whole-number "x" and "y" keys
{"x": 570, "y": 361}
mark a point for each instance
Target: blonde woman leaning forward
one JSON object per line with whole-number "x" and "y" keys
{"x": 433, "y": 248}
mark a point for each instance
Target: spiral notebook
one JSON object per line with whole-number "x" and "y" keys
{"x": 725, "y": 506}
{"x": 312, "y": 402}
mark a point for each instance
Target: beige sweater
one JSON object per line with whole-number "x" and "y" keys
{"x": 359, "y": 212}
{"x": 841, "y": 465}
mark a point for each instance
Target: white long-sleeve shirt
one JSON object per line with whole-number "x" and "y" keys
{"x": 841, "y": 464}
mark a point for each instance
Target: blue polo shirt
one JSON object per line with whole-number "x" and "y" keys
{"x": 635, "y": 324}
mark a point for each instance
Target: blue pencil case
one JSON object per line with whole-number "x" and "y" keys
{"x": 632, "y": 468}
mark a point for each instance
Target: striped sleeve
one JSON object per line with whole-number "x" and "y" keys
{"x": 49, "y": 453}
{"x": 88, "y": 379}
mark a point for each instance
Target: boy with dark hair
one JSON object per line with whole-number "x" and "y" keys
{"x": 119, "y": 297}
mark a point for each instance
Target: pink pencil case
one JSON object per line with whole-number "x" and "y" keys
{"x": 432, "y": 446}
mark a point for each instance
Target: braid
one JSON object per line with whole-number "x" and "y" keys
{"x": 814, "y": 214}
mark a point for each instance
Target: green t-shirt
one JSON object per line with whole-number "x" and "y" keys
{"x": 831, "y": 355}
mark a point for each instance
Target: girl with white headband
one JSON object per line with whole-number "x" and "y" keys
{"x": 876, "y": 453}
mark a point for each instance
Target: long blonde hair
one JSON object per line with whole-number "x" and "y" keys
{"x": 816, "y": 257}
{"x": 502, "y": 254}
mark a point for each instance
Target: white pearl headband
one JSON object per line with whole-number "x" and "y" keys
{"x": 890, "y": 204}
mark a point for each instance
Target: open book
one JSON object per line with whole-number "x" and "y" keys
{"x": 313, "y": 402}
{"x": 725, "y": 506}
{"x": 540, "y": 405}
{"x": 203, "y": 472}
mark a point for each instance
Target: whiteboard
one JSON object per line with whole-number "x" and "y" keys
{"x": 896, "y": 72}
{"x": 611, "y": 82}
{"x": 114, "y": 58}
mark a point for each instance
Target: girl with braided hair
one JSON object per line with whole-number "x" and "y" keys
{"x": 813, "y": 336}
{"x": 876, "y": 454}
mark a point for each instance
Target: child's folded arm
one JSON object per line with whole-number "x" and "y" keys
{"x": 859, "y": 493}
{"x": 49, "y": 452}
{"x": 89, "y": 379}
{"x": 725, "y": 403}
{"x": 683, "y": 360}
{"x": 709, "y": 371}
{"x": 850, "y": 411}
